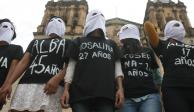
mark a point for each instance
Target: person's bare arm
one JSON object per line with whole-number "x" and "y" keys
{"x": 12, "y": 66}
{"x": 119, "y": 93}
{"x": 151, "y": 33}
{"x": 119, "y": 82}
{"x": 68, "y": 79}
{"x": 11, "y": 69}
{"x": 65, "y": 97}
{"x": 52, "y": 85}
{"x": 14, "y": 75}
{"x": 20, "y": 68}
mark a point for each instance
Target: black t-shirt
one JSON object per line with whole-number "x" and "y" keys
{"x": 47, "y": 58}
{"x": 7, "y": 54}
{"x": 94, "y": 74}
{"x": 178, "y": 62}
{"x": 137, "y": 68}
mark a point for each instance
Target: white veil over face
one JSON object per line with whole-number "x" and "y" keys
{"x": 94, "y": 20}
{"x": 6, "y": 32}
{"x": 129, "y": 31}
{"x": 174, "y": 29}
{"x": 57, "y": 26}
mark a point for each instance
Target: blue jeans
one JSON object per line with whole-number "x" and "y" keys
{"x": 93, "y": 105}
{"x": 149, "y": 103}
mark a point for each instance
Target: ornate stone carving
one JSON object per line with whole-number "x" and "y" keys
{"x": 161, "y": 11}
{"x": 73, "y": 12}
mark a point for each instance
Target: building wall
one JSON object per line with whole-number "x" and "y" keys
{"x": 159, "y": 13}
{"x": 113, "y": 26}
{"x": 73, "y": 13}
{"x": 112, "y": 32}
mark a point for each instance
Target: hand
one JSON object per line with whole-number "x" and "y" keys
{"x": 65, "y": 99}
{"x": 52, "y": 85}
{"x": 5, "y": 93}
{"x": 119, "y": 98}
{"x": 151, "y": 32}
{"x": 1, "y": 105}
{"x": 2, "y": 98}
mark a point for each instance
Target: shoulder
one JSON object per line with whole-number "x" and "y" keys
{"x": 67, "y": 40}
{"x": 163, "y": 42}
{"x": 77, "y": 40}
{"x": 32, "y": 41}
{"x": 14, "y": 46}
{"x": 111, "y": 42}
{"x": 15, "y": 50}
{"x": 147, "y": 49}
{"x": 162, "y": 45}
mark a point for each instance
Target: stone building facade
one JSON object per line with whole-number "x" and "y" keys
{"x": 159, "y": 12}
{"x": 113, "y": 26}
{"x": 73, "y": 12}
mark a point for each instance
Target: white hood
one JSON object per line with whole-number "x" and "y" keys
{"x": 6, "y": 32}
{"x": 57, "y": 26}
{"x": 174, "y": 29}
{"x": 94, "y": 20}
{"x": 129, "y": 31}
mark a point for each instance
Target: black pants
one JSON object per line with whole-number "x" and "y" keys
{"x": 1, "y": 105}
{"x": 178, "y": 99}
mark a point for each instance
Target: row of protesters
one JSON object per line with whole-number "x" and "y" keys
{"x": 99, "y": 77}
{"x": 42, "y": 68}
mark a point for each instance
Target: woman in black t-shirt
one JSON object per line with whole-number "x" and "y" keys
{"x": 41, "y": 65}
{"x": 178, "y": 63}
{"x": 141, "y": 94}
{"x": 91, "y": 70}
{"x": 10, "y": 54}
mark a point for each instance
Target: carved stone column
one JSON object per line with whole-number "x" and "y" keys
{"x": 152, "y": 15}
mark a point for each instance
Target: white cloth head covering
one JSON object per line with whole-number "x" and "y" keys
{"x": 174, "y": 29}
{"x": 94, "y": 20}
{"x": 129, "y": 31}
{"x": 6, "y": 32}
{"x": 57, "y": 26}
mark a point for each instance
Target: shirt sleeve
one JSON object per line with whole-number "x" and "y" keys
{"x": 117, "y": 51}
{"x": 161, "y": 47}
{"x": 67, "y": 48}
{"x": 73, "y": 51}
{"x": 30, "y": 47}
{"x": 118, "y": 69}
{"x": 70, "y": 71}
{"x": 18, "y": 53}
{"x": 154, "y": 64}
